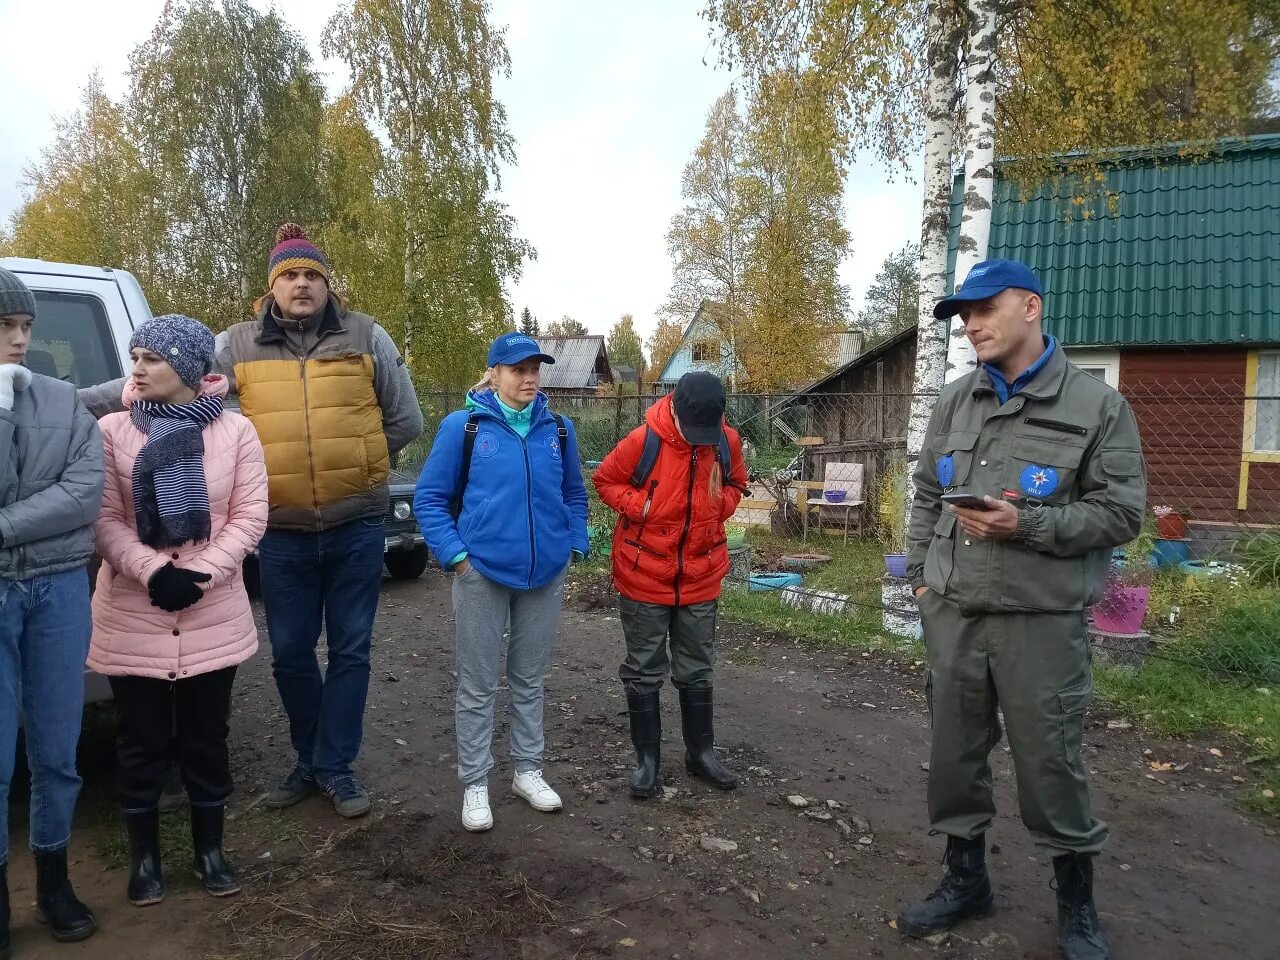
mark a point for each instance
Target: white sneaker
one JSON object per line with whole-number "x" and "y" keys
{"x": 533, "y": 788}
{"x": 476, "y": 815}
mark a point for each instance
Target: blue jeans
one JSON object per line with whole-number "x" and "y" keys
{"x": 331, "y": 577}
{"x": 44, "y": 639}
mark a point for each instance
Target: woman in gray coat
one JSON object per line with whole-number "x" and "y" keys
{"x": 50, "y": 492}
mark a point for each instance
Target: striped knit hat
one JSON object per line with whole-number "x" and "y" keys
{"x": 295, "y": 251}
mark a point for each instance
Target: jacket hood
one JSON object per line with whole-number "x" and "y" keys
{"x": 211, "y": 385}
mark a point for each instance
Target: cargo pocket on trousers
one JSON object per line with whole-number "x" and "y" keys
{"x": 1072, "y": 704}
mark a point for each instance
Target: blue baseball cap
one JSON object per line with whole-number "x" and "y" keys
{"x": 986, "y": 279}
{"x": 511, "y": 348}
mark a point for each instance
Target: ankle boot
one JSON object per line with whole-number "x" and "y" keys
{"x": 4, "y": 911}
{"x": 56, "y": 902}
{"x": 646, "y": 737}
{"x": 1079, "y": 930}
{"x": 146, "y": 883}
{"x": 212, "y": 868}
{"x": 964, "y": 892}
{"x": 700, "y": 758}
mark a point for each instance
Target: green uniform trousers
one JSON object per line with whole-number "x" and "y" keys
{"x": 1035, "y": 668}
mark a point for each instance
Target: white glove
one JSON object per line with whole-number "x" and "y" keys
{"x": 13, "y": 377}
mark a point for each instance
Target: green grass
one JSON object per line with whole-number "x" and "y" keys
{"x": 1180, "y": 700}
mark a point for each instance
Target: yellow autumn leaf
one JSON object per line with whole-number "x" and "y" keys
{"x": 626, "y": 942}
{"x": 1160, "y": 767}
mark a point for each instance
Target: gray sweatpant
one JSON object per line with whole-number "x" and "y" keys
{"x": 647, "y": 627}
{"x": 482, "y": 611}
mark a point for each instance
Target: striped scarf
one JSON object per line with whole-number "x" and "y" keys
{"x": 170, "y": 495}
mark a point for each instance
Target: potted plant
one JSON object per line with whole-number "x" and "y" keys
{"x": 1127, "y": 592}
{"x": 891, "y": 516}
{"x": 1171, "y": 523}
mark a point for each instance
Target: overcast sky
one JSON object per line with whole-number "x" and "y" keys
{"x": 607, "y": 100}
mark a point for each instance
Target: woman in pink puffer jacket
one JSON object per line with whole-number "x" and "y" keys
{"x": 184, "y": 502}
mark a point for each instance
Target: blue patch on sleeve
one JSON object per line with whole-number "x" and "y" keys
{"x": 1038, "y": 481}
{"x": 946, "y": 470}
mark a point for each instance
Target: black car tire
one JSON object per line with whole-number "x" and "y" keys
{"x": 407, "y": 564}
{"x": 252, "y": 579}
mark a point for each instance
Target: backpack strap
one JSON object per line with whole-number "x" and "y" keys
{"x": 648, "y": 457}
{"x": 469, "y": 433}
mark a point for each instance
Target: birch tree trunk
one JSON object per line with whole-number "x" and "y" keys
{"x": 945, "y": 34}
{"x": 979, "y": 167}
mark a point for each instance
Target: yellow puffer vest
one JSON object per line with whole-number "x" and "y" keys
{"x": 317, "y": 416}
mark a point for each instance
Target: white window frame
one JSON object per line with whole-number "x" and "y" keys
{"x": 1271, "y": 356}
{"x": 1107, "y": 361}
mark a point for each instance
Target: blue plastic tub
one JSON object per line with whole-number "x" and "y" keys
{"x": 1171, "y": 553}
{"x": 775, "y": 581}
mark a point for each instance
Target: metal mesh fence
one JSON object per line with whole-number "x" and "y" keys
{"x": 1200, "y": 586}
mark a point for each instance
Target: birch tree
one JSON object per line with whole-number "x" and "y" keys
{"x": 422, "y": 71}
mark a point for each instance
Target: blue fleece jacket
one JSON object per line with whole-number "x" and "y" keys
{"x": 525, "y": 506}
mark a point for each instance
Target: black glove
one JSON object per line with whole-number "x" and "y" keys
{"x": 173, "y": 588}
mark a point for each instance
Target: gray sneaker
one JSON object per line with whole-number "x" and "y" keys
{"x": 349, "y": 798}
{"x": 298, "y": 785}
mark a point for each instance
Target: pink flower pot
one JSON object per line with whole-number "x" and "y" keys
{"x": 1122, "y": 609}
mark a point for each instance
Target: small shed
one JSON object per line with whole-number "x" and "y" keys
{"x": 582, "y": 364}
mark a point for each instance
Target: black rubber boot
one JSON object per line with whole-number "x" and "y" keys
{"x": 212, "y": 868}
{"x": 964, "y": 893}
{"x": 1079, "y": 930}
{"x": 56, "y": 902}
{"x": 646, "y": 737}
{"x": 146, "y": 883}
{"x": 700, "y": 758}
{"x": 4, "y": 911}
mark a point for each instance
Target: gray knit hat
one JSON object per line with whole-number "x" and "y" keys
{"x": 14, "y": 295}
{"x": 185, "y": 344}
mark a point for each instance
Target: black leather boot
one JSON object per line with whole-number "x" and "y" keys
{"x": 212, "y": 868}
{"x": 146, "y": 883}
{"x": 964, "y": 892}
{"x": 700, "y": 758}
{"x": 646, "y": 737}
{"x": 4, "y": 911}
{"x": 1079, "y": 930}
{"x": 56, "y": 902}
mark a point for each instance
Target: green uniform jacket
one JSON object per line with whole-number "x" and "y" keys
{"x": 1068, "y": 445}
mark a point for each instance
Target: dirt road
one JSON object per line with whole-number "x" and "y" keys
{"x": 696, "y": 875}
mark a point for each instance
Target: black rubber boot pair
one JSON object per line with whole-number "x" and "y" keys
{"x": 699, "y": 738}
{"x": 57, "y": 905}
{"x": 146, "y": 880}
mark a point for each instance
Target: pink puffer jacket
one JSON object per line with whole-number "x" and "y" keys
{"x": 130, "y": 636}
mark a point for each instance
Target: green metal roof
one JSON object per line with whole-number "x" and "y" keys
{"x": 1190, "y": 254}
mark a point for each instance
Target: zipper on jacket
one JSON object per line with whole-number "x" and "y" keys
{"x": 1058, "y": 425}
{"x": 528, "y": 493}
{"x": 306, "y": 421}
{"x": 688, "y": 520}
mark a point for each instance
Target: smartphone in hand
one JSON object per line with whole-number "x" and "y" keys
{"x": 969, "y": 501}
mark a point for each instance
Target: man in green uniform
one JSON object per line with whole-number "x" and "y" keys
{"x": 1053, "y": 459}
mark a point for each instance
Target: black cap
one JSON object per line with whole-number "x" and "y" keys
{"x": 699, "y": 406}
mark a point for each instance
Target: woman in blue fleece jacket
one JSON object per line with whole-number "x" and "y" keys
{"x": 507, "y": 519}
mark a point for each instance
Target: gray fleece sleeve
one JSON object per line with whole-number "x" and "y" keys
{"x": 401, "y": 413}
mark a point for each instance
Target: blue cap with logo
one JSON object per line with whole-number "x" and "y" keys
{"x": 512, "y": 348}
{"x": 986, "y": 279}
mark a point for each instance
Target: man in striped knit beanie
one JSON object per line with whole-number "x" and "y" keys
{"x": 332, "y": 401}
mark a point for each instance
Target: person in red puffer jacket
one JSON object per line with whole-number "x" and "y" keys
{"x": 670, "y": 555}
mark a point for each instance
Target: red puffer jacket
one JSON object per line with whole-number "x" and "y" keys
{"x": 677, "y": 554}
